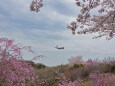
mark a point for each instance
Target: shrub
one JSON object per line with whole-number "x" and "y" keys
{"x": 77, "y": 65}
{"x": 36, "y": 65}
{"x": 40, "y": 66}
{"x": 14, "y": 70}
{"x": 102, "y": 79}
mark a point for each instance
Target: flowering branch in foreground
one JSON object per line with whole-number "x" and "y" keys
{"x": 102, "y": 22}
{"x": 36, "y": 5}
{"x": 14, "y": 70}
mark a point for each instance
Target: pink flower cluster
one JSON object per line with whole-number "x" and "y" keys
{"x": 36, "y": 5}
{"x": 102, "y": 79}
{"x": 96, "y": 79}
{"x": 70, "y": 83}
{"x": 90, "y": 62}
{"x": 103, "y": 22}
{"x": 14, "y": 71}
{"x": 66, "y": 82}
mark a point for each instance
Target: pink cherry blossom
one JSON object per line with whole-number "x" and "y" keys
{"x": 14, "y": 71}
{"x": 102, "y": 22}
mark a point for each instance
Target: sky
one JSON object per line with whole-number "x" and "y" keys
{"x": 48, "y": 28}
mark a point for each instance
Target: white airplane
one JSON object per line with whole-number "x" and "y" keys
{"x": 59, "y": 47}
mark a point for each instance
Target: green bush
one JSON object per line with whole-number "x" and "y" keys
{"x": 36, "y": 65}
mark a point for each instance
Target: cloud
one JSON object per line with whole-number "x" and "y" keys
{"x": 46, "y": 29}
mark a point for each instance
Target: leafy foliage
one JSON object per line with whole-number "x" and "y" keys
{"x": 78, "y": 74}
{"x": 36, "y": 65}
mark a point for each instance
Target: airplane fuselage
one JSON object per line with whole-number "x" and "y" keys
{"x": 60, "y": 48}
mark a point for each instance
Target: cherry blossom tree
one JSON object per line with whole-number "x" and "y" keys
{"x": 101, "y": 22}
{"x": 14, "y": 70}
{"x": 75, "y": 60}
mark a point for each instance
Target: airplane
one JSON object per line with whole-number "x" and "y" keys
{"x": 59, "y": 47}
